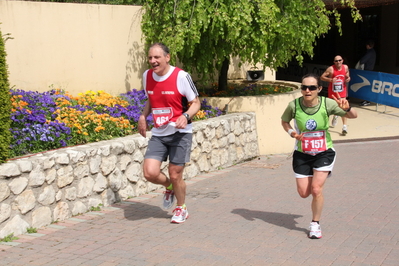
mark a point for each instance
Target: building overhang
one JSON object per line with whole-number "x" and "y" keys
{"x": 331, "y": 4}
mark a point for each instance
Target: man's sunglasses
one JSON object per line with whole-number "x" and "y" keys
{"x": 311, "y": 87}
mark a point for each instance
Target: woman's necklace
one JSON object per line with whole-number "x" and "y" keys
{"x": 310, "y": 105}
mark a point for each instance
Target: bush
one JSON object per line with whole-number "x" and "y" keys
{"x": 5, "y": 105}
{"x": 242, "y": 89}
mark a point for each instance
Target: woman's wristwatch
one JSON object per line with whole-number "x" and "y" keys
{"x": 348, "y": 110}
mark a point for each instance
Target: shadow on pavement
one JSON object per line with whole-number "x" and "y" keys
{"x": 142, "y": 211}
{"x": 276, "y": 218}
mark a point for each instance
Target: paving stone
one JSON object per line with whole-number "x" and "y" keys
{"x": 249, "y": 214}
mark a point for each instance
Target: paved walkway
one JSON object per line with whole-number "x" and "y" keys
{"x": 249, "y": 214}
{"x": 373, "y": 122}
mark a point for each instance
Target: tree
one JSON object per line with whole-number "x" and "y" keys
{"x": 5, "y": 104}
{"x": 204, "y": 34}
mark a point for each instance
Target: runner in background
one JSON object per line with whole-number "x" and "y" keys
{"x": 338, "y": 76}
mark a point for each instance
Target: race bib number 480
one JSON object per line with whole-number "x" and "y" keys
{"x": 162, "y": 116}
{"x": 314, "y": 142}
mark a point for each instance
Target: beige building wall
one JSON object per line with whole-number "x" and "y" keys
{"x": 78, "y": 47}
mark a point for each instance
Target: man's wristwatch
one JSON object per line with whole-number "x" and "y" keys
{"x": 186, "y": 116}
{"x": 350, "y": 107}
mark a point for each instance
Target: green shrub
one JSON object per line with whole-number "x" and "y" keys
{"x": 5, "y": 105}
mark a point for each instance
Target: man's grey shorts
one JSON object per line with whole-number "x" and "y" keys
{"x": 177, "y": 146}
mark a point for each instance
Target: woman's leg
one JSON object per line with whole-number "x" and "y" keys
{"x": 317, "y": 185}
{"x": 303, "y": 186}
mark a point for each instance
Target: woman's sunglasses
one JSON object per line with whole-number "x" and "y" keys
{"x": 311, "y": 87}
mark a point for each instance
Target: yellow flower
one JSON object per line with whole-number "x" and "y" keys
{"x": 99, "y": 128}
{"x": 200, "y": 114}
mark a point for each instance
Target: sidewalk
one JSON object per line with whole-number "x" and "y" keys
{"x": 373, "y": 122}
{"x": 249, "y": 214}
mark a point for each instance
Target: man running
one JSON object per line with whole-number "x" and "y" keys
{"x": 172, "y": 101}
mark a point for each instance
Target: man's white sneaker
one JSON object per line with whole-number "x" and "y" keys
{"x": 180, "y": 215}
{"x": 334, "y": 121}
{"x": 315, "y": 230}
{"x": 344, "y": 130}
{"x": 168, "y": 199}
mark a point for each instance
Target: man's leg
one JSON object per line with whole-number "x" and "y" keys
{"x": 179, "y": 185}
{"x": 152, "y": 172}
{"x": 344, "y": 125}
{"x": 179, "y": 155}
{"x": 344, "y": 120}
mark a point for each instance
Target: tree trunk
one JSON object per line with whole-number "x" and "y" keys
{"x": 223, "y": 75}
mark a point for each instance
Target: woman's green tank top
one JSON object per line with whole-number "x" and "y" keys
{"x": 315, "y": 126}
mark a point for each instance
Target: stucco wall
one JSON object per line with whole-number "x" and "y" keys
{"x": 78, "y": 47}
{"x": 272, "y": 138}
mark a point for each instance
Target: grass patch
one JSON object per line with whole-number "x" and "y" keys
{"x": 8, "y": 238}
{"x": 96, "y": 209}
{"x": 31, "y": 230}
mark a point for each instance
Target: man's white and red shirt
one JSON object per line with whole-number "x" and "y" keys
{"x": 169, "y": 96}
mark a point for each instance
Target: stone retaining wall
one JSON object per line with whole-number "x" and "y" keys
{"x": 38, "y": 190}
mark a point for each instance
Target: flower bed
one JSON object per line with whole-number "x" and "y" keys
{"x": 245, "y": 88}
{"x": 55, "y": 119}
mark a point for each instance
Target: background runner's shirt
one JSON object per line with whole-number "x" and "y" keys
{"x": 339, "y": 85}
{"x": 185, "y": 87}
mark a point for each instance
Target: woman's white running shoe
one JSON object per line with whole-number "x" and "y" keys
{"x": 315, "y": 230}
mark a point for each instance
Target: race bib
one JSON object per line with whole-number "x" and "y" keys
{"x": 338, "y": 86}
{"x": 162, "y": 116}
{"x": 314, "y": 142}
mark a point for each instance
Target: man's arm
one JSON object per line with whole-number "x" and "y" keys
{"x": 327, "y": 75}
{"x": 142, "y": 123}
{"x": 195, "y": 105}
{"x": 347, "y": 76}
